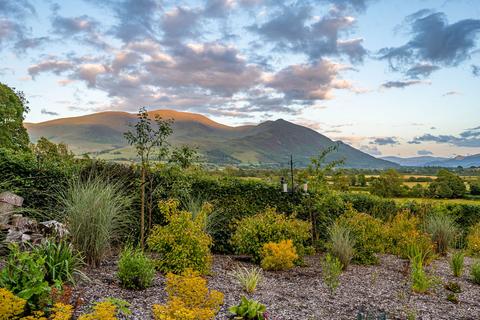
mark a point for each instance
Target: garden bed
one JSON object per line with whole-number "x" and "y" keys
{"x": 301, "y": 294}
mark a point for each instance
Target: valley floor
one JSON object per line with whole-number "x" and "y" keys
{"x": 301, "y": 294}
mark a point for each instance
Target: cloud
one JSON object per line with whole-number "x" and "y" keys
{"x": 382, "y": 141}
{"x": 309, "y": 81}
{"x": 50, "y": 65}
{"x": 467, "y": 138}
{"x": 452, "y": 93}
{"x": 49, "y": 113}
{"x": 424, "y": 152}
{"x": 372, "y": 150}
{"x": 421, "y": 71}
{"x": 293, "y": 28}
{"x": 402, "y": 84}
{"x": 180, "y": 23}
{"x": 434, "y": 42}
{"x": 13, "y": 15}
{"x": 476, "y": 70}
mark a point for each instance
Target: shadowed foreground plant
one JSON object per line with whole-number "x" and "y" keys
{"x": 248, "y": 278}
{"x": 341, "y": 244}
{"x": 475, "y": 272}
{"x": 456, "y": 263}
{"x": 442, "y": 229}
{"x": 96, "y": 214}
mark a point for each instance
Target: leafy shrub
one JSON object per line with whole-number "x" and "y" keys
{"x": 388, "y": 184}
{"x": 403, "y": 231}
{"x": 375, "y": 206}
{"x": 475, "y": 272}
{"x": 248, "y": 278}
{"x": 367, "y": 233}
{"x": 475, "y": 187}
{"x": 182, "y": 243}
{"x": 453, "y": 298}
{"x": 104, "y": 310}
{"x": 456, "y": 263}
{"x": 188, "y": 298}
{"x": 269, "y": 226}
{"x": 331, "y": 271}
{"x": 278, "y": 256}
{"x": 341, "y": 244}
{"x": 249, "y": 309}
{"x": 96, "y": 214}
{"x": 24, "y": 275}
{"x": 453, "y": 287}
{"x": 135, "y": 269}
{"x": 61, "y": 311}
{"x": 473, "y": 240}
{"x": 447, "y": 185}
{"x": 421, "y": 282}
{"x": 11, "y": 306}
{"x": 442, "y": 229}
{"x": 62, "y": 262}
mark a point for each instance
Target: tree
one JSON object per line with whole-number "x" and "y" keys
{"x": 475, "y": 187}
{"x": 13, "y": 107}
{"x": 388, "y": 184}
{"x": 447, "y": 185}
{"x": 184, "y": 156}
{"x": 49, "y": 152}
{"x": 361, "y": 180}
{"x": 148, "y": 139}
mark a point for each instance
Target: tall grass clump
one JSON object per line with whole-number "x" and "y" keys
{"x": 475, "y": 272}
{"x": 341, "y": 244}
{"x": 456, "y": 263}
{"x": 442, "y": 229}
{"x": 248, "y": 278}
{"x": 96, "y": 213}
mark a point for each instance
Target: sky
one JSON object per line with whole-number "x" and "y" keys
{"x": 390, "y": 77}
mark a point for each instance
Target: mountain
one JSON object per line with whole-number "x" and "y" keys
{"x": 414, "y": 161}
{"x": 269, "y": 144}
{"x": 427, "y": 161}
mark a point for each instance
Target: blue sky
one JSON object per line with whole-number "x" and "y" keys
{"x": 390, "y": 77}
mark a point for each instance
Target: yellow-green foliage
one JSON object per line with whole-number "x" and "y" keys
{"x": 11, "y": 306}
{"x": 61, "y": 311}
{"x": 368, "y": 234}
{"x": 473, "y": 240}
{"x": 182, "y": 243}
{"x": 278, "y": 256}
{"x": 269, "y": 226}
{"x": 105, "y": 310}
{"x": 188, "y": 299}
{"x": 403, "y": 231}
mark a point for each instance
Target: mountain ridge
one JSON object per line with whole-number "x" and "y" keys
{"x": 269, "y": 143}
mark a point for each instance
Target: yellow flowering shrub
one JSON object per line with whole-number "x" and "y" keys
{"x": 101, "y": 311}
{"x": 403, "y": 231}
{"x": 188, "y": 299}
{"x": 278, "y": 256}
{"x": 36, "y": 315}
{"x": 183, "y": 242}
{"x": 61, "y": 311}
{"x": 473, "y": 240}
{"x": 11, "y": 306}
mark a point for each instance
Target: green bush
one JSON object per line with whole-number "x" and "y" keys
{"x": 24, "y": 275}
{"x": 341, "y": 244}
{"x": 269, "y": 226}
{"x": 97, "y": 214}
{"x": 135, "y": 269}
{"x": 447, "y": 185}
{"x": 368, "y": 235}
{"x": 62, "y": 262}
{"x": 183, "y": 242}
{"x": 375, "y": 206}
{"x": 331, "y": 271}
{"x": 456, "y": 263}
{"x": 475, "y": 272}
{"x": 248, "y": 309}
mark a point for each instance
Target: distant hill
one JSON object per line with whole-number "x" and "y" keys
{"x": 269, "y": 144}
{"x": 427, "y": 161}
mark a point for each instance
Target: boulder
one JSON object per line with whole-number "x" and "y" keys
{"x": 8, "y": 203}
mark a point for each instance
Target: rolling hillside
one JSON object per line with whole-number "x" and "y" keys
{"x": 427, "y": 161}
{"x": 270, "y": 143}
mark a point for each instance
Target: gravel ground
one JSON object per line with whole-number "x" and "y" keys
{"x": 300, "y": 293}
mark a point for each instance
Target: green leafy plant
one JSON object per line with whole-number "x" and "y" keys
{"x": 135, "y": 269}
{"x": 341, "y": 244}
{"x": 62, "y": 261}
{"x": 457, "y": 263}
{"x": 421, "y": 282}
{"x": 96, "y": 214}
{"x": 24, "y": 275}
{"x": 183, "y": 242}
{"x": 248, "y": 309}
{"x": 269, "y": 226}
{"x": 453, "y": 287}
{"x": 331, "y": 271}
{"x": 248, "y": 278}
{"x": 453, "y": 298}
{"x": 473, "y": 240}
{"x": 475, "y": 272}
{"x": 442, "y": 229}
{"x": 368, "y": 234}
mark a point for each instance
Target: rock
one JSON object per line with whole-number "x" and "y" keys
{"x": 8, "y": 202}
{"x": 53, "y": 228}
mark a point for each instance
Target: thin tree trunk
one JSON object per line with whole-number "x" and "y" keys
{"x": 142, "y": 211}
